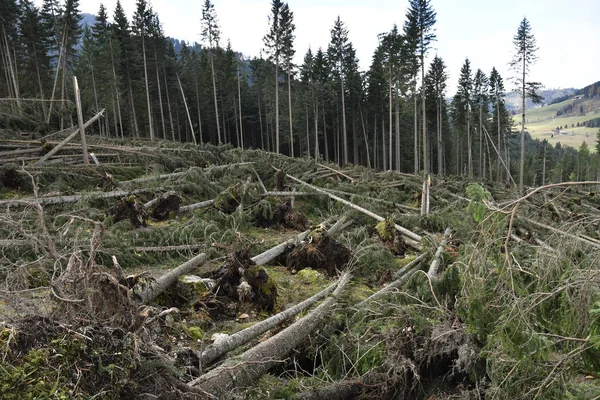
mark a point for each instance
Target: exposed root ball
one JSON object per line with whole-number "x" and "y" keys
{"x": 130, "y": 208}
{"x": 10, "y": 178}
{"x": 166, "y": 206}
{"x": 239, "y": 279}
{"x": 319, "y": 252}
{"x": 266, "y": 214}
{"x": 279, "y": 180}
{"x": 390, "y": 237}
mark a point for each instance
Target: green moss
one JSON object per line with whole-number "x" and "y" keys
{"x": 384, "y": 229}
{"x": 194, "y": 332}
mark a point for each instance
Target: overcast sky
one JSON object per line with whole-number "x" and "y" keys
{"x": 568, "y": 34}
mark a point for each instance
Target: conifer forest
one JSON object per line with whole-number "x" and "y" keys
{"x": 181, "y": 221}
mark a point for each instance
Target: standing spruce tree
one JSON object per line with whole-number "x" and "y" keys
{"x": 338, "y": 55}
{"x": 33, "y": 54}
{"x": 421, "y": 18}
{"x": 288, "y": 28}
{"x": 500, "y": 115}
{"x": 211, "y": 35}
{"x": 462, "y": 103}
{"x": 436, "y": 81}
{"x": 274, "y": 44}
{"x": 480, "y": 100}
{"x": 525, "y": 49}
{"x": 142, "y": 20}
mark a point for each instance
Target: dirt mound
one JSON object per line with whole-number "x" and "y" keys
{"x": 319, "y": 252}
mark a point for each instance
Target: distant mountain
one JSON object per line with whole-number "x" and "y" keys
{"x": 88, "y": 19}
{"x": 513, "y": 99}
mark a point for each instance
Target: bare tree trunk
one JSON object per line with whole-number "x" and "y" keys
{"x": 499, "y": 142}
{"x": 277, "y": 105}
{"x": 416, "y": 146}
{"x": 214, "y": 82}
{"x": 231, "y": 342}
{"x": 364, "y": 129}
{"x": 316, "y": 107}
{"x": 522, "y": 167}
{"x": 72, "y": 136}
{"x": 390, "y": 122}
{"x": 160, "y": 102}
{"x": 469, "y": 142}
{"x": 12, "y": 71}
{"x": 260, "y": 122}
{"x": 325, "y": 135}
{"x": 397, "y": 112}
{"x": 240, "y": 110}
{"x": 255, "y": 362}
{"x": 384, "y": 158}
{"x": 169, "y": 105}
{"x": 150, "y": 125}
{"x": 435, "y": 264}
{"x": 344, "y": 122}
{"x": 116, "y": 87}
{"x": 412, "y": 238}
{"x": 80, "y": 120}
{"x": 187, "y": 110}
{"x": 168, "y": 279}
{"x": 289, "y": 82}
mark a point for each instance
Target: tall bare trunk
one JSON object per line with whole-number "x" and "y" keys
{"x": 499, "y": 142}
{"x": 469, "y": 142}
{"x": 424, "y": 122}
{"x": 397, "y": 112}
{"x": 416, "y": 146}
{"x": 326, "y": 140}
{"x": 364, "y": 128}
{"x": 160, "y": 102}
{"x": 522, "y": 167}
{"x": 116, "y": 86}
{"x": 150, "y": 125}
{"x": 316, "y": 106}
{"x": 289, "y": 82}
{"x": 214, "y": 82}
{"x": 260, "y": 122}
{"x": 390, "y": 122}
{"x": 240, "y": 110}
{"x": 383, "y": 144}
{"x": 169, "y": 105}
{"x": 344, "y": 122}
{"x": 277, "y": 105}
{"x": 187, "y": 110}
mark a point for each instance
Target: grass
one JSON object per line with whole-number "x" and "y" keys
{"x": 541, "y": 121}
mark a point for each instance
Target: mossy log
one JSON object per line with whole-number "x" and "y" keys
{"x": 252, "y": 364}
{"x": 231, "y": 342}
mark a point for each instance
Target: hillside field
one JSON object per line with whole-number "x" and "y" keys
{"x": 542, "y": 120}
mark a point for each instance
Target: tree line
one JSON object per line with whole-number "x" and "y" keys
{"x": 394, "y": 116}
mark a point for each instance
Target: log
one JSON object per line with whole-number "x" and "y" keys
{"x": 340, "y": 173}
{"x": 335, "y": 391}
{"x": 196, "y": 206}
{"x": 414, "y": 238}
{"x": 401, "y": 277}
{"x": 70, "y": 199}
{"x": 72, "y": 136}
{"x": 274, "y": 252}
{"x": 86, "y": 159}
{"x": 168, "y": 279}
{"x": 437, "y": 258}
{"x": 252, "y": 364}
{"x": 289, "y": 194}
{"x": 182, "y": 173}
{"x": 164, "y": 249}
{"x": 232, "y": 342}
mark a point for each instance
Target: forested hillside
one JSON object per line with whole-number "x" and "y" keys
{"x": 325, "y": 108}
{"x": 187, "y": 223}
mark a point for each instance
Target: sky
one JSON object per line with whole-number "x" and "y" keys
{"x": 567, "y": 34}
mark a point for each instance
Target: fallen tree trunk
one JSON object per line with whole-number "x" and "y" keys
{"x": 72, "y": 136}
{"x": 340, "y": 173}
{"x": 402, "y": 276}
{"x": 161, "y": 249}
{"x": 231, "y": 342}
{"x": 252, "y": 364}
{"x": 437, "y": 258}
{"x": 168, "y": 279}
{"x": 274, "y": 252}
{"x": 196, "y": 206}
{"x": 182, "y": 173}
{"x": 71, "y": 199}
{"x": 414, "y": 238}
{"x": 335, "y": 391}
